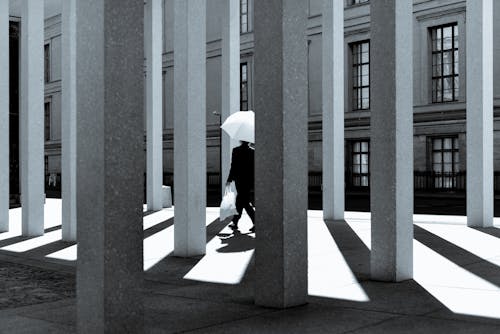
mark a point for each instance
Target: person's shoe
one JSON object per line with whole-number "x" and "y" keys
{"x": 233, "y": 225}
{"x": 252, "y": 229}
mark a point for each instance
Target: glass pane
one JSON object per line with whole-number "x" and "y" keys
{"x": 356, "y": 169}
{"x": 356, "y": 181}
{"x": 447, "y": 32}
{"x": 365, "y": 92}
{"x": 436, "y": 144}
{"x": 365, "y": 58}
{"x": 364, "y": 146}
{"x": 447, "y": 57}
{"x": 447, "y": 157}
{"x": 448, "y": 95}
{"x": 365, "y": 103}
{"x": 447, "y": 142}
{"x": 356, "y": 159}
{"x": 436, "y": 158}
{"x": 447, "y": 168}
{"x": 356, "y": 146}
{"x": 364, "y": 160}
{"x": 365, "y": 80}
{"x": 365, "y": 69}
{"x": 364, "y": 181}
{"x": 364, "y": 169}
{"x": 455, "y": 143}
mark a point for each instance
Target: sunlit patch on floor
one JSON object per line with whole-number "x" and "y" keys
{"x": 328, "y": 272}
{"x": 228, "y": 255}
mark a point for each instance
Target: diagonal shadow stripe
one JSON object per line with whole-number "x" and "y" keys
{"x": 475, "y": 264}
{"x": 20, "y": 238}
{"x": 158, "y": 227}
{"x": 356, "y": 254}
{"x": 49, "y": 248}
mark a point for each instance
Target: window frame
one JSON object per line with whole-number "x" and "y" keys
{"x": 244, "y": 86}
{"x": 356, "y": 67}
{"x": 47, "y": 62}
{"x": 455, "y": 63}
{"x": 47, "y": 120}
{"x": 244, "y": 27}
{"x": 355, "y": 179}
{"x": 442, "y": 178}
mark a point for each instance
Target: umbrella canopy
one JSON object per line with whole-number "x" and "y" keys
{"x": 240, "y": 126}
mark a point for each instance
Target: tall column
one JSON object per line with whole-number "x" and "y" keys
{"x": 110, "y": 155}
{"x": 189, "y": 127}
{"x": 4, "y": 116}
{"x": 333, "y": 109}
{"x": 391, "y": 140}
{"x": 153, "y": 37}
{"x": 68, "y": 121}
{"x": 281, "y": 152}
{"x": 479, "y": 113}
{"x": 32, "y": 117}
{"x": 230, "y": 78}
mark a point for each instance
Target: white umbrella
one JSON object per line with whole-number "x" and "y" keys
{"x": 240, "y": 126}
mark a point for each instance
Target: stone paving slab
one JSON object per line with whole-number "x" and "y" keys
{"x": 311, "y": 318}
{"x": 22, "y": 285}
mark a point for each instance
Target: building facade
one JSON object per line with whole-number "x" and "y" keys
{"x": 439, "y": 91}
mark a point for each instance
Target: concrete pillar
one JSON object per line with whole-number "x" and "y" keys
{"x": 32, "y": 141}
{"x": 110, "y": 146}
{"x": 230, "y": 78}
{"x": 391, "y": 140}
{"x": 189, "y": 127}
{"x": 281, "y": 152}
{"x": 153, "y": 37}
{"x": 4, "y": 116}
{"x": 68, "y": 121}
{"x": 480, "y": 195}
{"x": 333, "y": 109}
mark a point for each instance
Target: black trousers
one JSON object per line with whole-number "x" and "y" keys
{"x": 243, "y": 200}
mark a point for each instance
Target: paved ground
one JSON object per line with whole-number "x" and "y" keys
{"x": 455, "y": 287}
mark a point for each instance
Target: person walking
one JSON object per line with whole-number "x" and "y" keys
{"x": 242, "y": 173}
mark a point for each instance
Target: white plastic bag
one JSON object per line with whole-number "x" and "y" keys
{"x": 228, "y": 203}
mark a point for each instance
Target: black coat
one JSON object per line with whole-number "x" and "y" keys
{"x": 242, "y": 168}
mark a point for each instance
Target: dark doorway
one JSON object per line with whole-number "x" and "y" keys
{"x": 14, "y": 113}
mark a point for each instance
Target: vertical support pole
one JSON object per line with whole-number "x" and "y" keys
{"x": 153, "y": 35}
{"x": 68, "y": 121}
{"x": 190, "y": 127}
{"x": 392, "y": 140}
{"x": 4, "y": 116}
{"x": 281, "y": 152}
{"x": 32, "y": 117}
{"x": 479, "y": 64}
{"x": 230, "y": 78}
{"x": 333, "y": 109}
{"x": 110, "y": 153}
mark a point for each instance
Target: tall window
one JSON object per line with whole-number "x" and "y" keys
{"x": 244, "y": 16}
{"x": 359, "y": 164}
{"x": 356, "y": 2}
{"x": 361, "y": 75}
{"x": 445, "y": 162}
{"x": 445, "y": 82}
{"x": 46, "y": 50}
{"x": 244, "y": 86}
{"x": 47, "y": 120}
